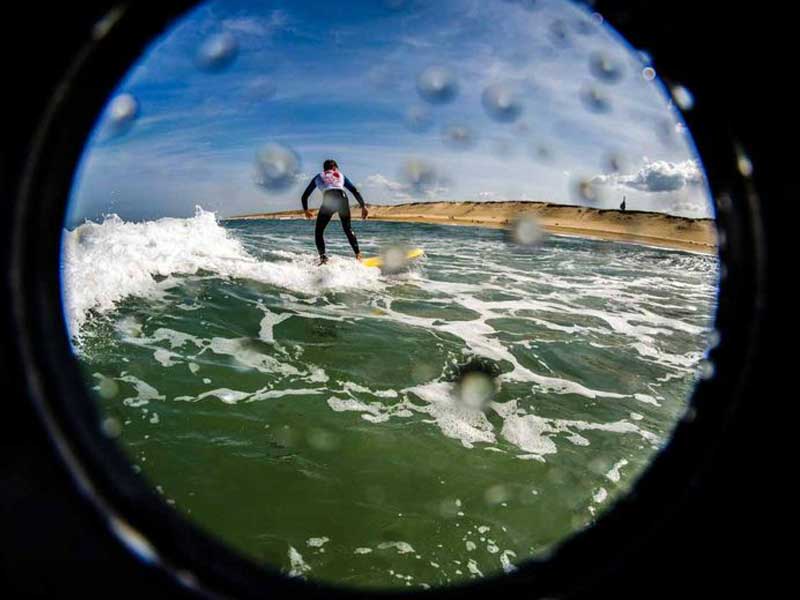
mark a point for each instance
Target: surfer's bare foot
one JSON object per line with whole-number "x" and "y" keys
{"x": 323, "y": 259}
{"x": 358, "y": 256}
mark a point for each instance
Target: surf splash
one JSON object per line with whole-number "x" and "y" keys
{"x": 104, "y": 263}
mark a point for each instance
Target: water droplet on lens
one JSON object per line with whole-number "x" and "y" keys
{"x": 586, "y": 191}
{"x": 260, "y": 89}
{"x": 458, "y": 137}
{"x": 706, "y": 369}
{"x": 743, "y": 163}
{"x": 595, "y": 100}
{"x": 448, "y": 508}
{"x": 476, "y": 383}
{"x": 542, "y": 152}
{"x": 277, "y": 167}
{"x": 649, "y": 73}
{"x": 683, "y": 97}
{"x": 420, "y": 175}
{"x": 501, "y": 103}
{"x": 437, "y": 85}
{"x": 496, "y": 494}
{"x": 394, "y": 259}
{"x": 525, "y": 231}
{"x": 107, "y": 388}
{"x": 123, "y": 110}
{"x": 323, "y": 440}
{"x": 217, "y": 52}
{"x": 713, "y": 339}
{"x": 615, "y": 163}
{"x": 111, "y": 427}
{"x": 558, "y": 33}
{"x": 418, "y": 119}
{"x": 476, "y": 390}
{"x": 605, "y": 68}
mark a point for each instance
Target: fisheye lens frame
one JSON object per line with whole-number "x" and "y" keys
{"x": 196, "y": 559}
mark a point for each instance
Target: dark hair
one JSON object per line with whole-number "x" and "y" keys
{"x": 329, "y": 164}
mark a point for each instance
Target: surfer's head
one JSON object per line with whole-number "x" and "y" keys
{"x": 329, "y": 165}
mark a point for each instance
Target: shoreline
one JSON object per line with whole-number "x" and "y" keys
{"x": 653, "y": 229}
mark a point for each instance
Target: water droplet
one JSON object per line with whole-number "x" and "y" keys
{"x": 542, "y": 152}
{"x": 420, "y": 175}
{"x": 525, "y": 231}
{"x": 458, "y": 137}
{"x": 111, "y": 427}
{"x": 448, "y": 508}
{"x": 595, "y": 100}
{"x": 558, "y": 33}
{"x": 394, "y": 259}
{"x": 496, "y": 494}
{"x": 476, "y": 383}
{"x": 649, "y": 73}
{"x": 743, "y": 164}
{"x": 476, "y": 390}
{"x": 706, "y": 369}
{"x": 260, "y": 89}
{"x": 437, "y": 85}
{"x": 713, "y": 339}
{"x": 107, "y": 388}
{"x": 501, "y": 103}
{"x": 683, "y": 97}
{"x": 123, "y": 110}
{"x": 418, "y": 119}
{"x": 422, "y": 372}
{"x": 322, "y": 439}
{"x": 277, "y": 167}
{"x": 605, "y": 68}
{"x": 217, "y": 52}
{"x": 584, "y": 190}
{"x": 615, "y": 163}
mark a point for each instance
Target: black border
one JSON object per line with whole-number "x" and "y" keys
{"x": 110, "y": 485}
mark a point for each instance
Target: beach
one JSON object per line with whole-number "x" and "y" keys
{"x": 656, "y": 229}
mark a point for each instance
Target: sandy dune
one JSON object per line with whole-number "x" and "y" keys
{"x": 656, "y": 229}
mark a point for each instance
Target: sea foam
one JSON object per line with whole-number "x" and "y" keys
{"x": 104, "y": 263}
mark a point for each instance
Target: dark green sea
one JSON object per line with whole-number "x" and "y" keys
{"x": 307, "y": 416}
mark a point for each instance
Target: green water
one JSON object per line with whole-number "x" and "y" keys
{"x": 306, "y": 417}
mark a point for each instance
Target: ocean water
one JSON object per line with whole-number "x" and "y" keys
{"x": 307, "y": 416}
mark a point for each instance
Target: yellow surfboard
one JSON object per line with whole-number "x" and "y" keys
{"x": 377, "y": 261}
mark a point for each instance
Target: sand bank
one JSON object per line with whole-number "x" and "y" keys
{"x": 656, "y": 229}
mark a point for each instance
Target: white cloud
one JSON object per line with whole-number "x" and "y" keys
{"x": 656, "y": 176}
{"x": 278, "y": 19}
{"x": 383, "y": 188}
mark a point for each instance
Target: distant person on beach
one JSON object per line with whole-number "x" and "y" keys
{"x": 622, "y": 206}
{"x": 332, "y": 183}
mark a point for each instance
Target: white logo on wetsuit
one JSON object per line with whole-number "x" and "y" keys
{"x": 330, "y": 180}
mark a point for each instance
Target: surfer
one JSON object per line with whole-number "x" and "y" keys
{"x": 332, "y": 183}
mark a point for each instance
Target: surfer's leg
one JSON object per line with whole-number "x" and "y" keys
{"x": 348, "y": 231}
{"x": 323, "y": 218}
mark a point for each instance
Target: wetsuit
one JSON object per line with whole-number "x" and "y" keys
{"x": 332, "y": 184}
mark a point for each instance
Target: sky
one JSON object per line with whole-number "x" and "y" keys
{"x": 236, "y": 106}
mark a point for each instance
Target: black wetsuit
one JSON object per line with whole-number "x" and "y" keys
{"x": 334, "y": 201}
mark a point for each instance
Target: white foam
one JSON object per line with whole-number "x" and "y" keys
{"x": 104, "y": 263}
{"x": 614, "y": 474}
{"x": 299, "y": 567}
{"x": 401, "y": 547}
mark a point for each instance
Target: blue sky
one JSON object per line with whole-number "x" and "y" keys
{"x": 320, "y": 79}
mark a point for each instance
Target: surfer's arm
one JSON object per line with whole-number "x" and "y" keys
{"x": 349, "y": 185}
{"x": 309, "y": 190}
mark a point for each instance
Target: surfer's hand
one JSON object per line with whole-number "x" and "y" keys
{"x": 309, "y": 214}
{"x": 364, "y": 213}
